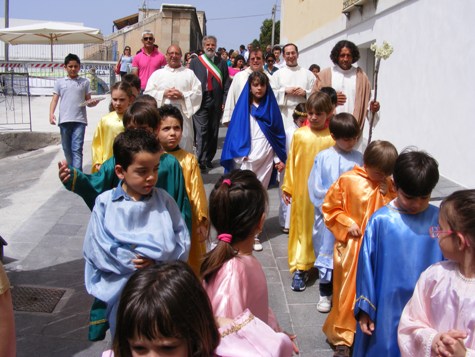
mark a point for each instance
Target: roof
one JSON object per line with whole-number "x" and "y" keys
{"x": 126, "y": 21}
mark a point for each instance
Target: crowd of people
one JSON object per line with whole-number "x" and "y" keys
{"x": 361, "y": 216}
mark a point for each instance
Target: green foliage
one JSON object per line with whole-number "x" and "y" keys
{"x": 266, "y": 34}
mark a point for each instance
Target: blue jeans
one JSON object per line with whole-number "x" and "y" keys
{"x": 72, "y": 139}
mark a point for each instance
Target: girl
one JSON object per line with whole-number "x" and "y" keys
{"x": 111, "y": 124}
{"x": 164, "y": 310}
{"x": 125, "y": 61}
{"x": 439, "y": 318}
{"x": 232, "y": 276}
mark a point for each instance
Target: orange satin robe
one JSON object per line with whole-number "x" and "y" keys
{"x": 199, "y": 205}
{"x": 353, "y": 198}
{"x": 306, "y": 144}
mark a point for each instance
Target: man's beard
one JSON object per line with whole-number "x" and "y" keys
{"x": 209, "y": 54}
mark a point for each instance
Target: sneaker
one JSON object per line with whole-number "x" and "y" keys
{"x": 342, "y": 351}
{"x": 257, "y": 245}
{"x": 324, "y": 304}
{"x": 299, "y": 280}
{"x": 285, "y": 230}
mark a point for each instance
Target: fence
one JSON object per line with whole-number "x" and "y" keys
{"x": 21, "y": 80}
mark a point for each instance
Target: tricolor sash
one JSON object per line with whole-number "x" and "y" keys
{"x": 212, "y": 69}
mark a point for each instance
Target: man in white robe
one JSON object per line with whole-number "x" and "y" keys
{"x": 292, "y": 84}
{"x": 256, "y": 63}
{"x": 178, "y": 86}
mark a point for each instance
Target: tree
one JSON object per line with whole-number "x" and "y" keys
{"x": 266, "y": 34}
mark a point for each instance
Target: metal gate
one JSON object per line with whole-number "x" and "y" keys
{"x": 15, "y": 106}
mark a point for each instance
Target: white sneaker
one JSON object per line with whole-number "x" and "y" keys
{"x": 324, "y": 304}
{"x": 257, "y": 245}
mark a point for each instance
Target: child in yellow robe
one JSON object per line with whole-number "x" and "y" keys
{"x": 307, "y": 142}
{"x": 169, "y": 135}
{"x": 111, "y": 125}
{"x": 347, "y": 207}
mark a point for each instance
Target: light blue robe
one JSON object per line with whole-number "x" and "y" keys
{"x": 119, "y": 230}
{"x": 396, "y": 249}
{"x": 327, "y": 168}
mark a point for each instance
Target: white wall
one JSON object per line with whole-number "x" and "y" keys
{"x": 426, "y": 87}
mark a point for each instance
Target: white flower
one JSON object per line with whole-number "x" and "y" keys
{"x": 382, "y": 52}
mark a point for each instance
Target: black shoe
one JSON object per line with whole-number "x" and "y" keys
{"x": 209, "y": 164}
{"x": 202, "y": 167}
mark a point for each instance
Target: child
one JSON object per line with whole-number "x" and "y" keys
{"x": 133, "y": 225}
{"x": 164, "y": 310}
{"x": 347, "y": 206}
{"x": 169, "y": 134}
{"x": 73, "y": 90}
{"x": 334, "y": 98}
{"x": 232, "y": 276}
{"x": 255, "y": 139}
{"x": 307, "y": 142}
{"x": 300, "y": 116}
{"x": 329, "y": 165}
{"x": 111, "y": 124}
{"x": 438, "y": 320}
{"x": 396, "y": 249}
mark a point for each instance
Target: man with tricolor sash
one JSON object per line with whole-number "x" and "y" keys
{"x": 213, "y": 75}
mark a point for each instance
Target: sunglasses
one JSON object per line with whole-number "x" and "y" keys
{"x": 148, "y": 38}
{"x": 270, "y": 61}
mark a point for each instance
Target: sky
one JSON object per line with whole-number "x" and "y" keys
{"x": 233, "y": 22}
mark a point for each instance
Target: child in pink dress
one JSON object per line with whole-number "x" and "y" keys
{"x": 439, "y": 319}
{"x": 232, "y": 276}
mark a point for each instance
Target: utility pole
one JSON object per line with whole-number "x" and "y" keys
{"x": 7, "y": 21}
{"x": 274, "y": 8}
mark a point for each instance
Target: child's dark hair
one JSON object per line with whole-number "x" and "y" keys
{"x": 458, "y": 210}
{"x": 259, "y": 77}
{"x": 236, "y": 206}
{"x": 331, "y": 92}
{"x": 71, "y": 57}
{"x": 123, "y": 86}
{"x": 344, "y": 126}
{"x": 169, "y": 110}
{"x": 300, "y": 111}
{"x": 416, "y": 173}
{"x": 132, "y": 141}
{"x": 146, "y": 98}
{"x": 132, "y": 79}
{"x": 314, "y": 66}
{"x": 166, "y": 300}
{"x": 141, "y": 114}
{"x": 319, "y": 102}
{"x": 380, "y": 155}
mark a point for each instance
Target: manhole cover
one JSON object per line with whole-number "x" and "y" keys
{"x": 35, "y": 299}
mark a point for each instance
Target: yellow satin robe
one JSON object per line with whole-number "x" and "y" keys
{"x": 107, "y": 129}
{"x": 306, "y": 144}
{"x": 199, "y": 205}
{"x": 353, "y": 198}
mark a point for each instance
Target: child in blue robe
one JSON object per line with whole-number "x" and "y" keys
{"x": 396, "y": 249}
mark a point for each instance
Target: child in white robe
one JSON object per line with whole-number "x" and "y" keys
{"x": 439, "y": 319}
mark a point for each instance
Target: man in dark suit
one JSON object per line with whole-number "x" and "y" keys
{"x": 212, "y": 72}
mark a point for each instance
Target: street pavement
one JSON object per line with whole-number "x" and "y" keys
{"x": 44, "y": 225}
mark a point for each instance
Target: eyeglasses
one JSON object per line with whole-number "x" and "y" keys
{"x": 436, "y": 231}
{"x": 148, "y": 38}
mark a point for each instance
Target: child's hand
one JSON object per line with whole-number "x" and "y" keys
{"x": 287, "y": 198}
{"x": 292, "y": 338}
{"x": 366, "y": 325}
{"x": 202, "y": 231}
{"x": 52, "y": 119}
{"x": 449, "y": 343}
{"x": 97, "y": 167}
{"x": 92, "y": 102}
{"x": 383, "y": 187}
{"x": 64, "y": 171}
{"x": 142, "y": 262}
{"x": 279, "y": 166}
{"x": 354, "y": 230}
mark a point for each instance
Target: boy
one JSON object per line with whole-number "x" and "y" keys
{"x": 169, "y": 134}
{"x": 347, "y": 206}
{"x": 73, "y": 91}
{"x": 307, "y": 142}
{"x": 329, "y": 165}
{"x": 396, "y": 249}
{"x": 133, "y": 225}
{"x": 170, "y": 176}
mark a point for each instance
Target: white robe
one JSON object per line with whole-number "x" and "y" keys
{"x": 186, "y": 82}
{"x": 291, "y": 77}
{"x": 235, "y": 89}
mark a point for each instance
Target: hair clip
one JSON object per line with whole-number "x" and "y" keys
{"x": 227, "y": 182}
{"x": 225, "y": 237}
